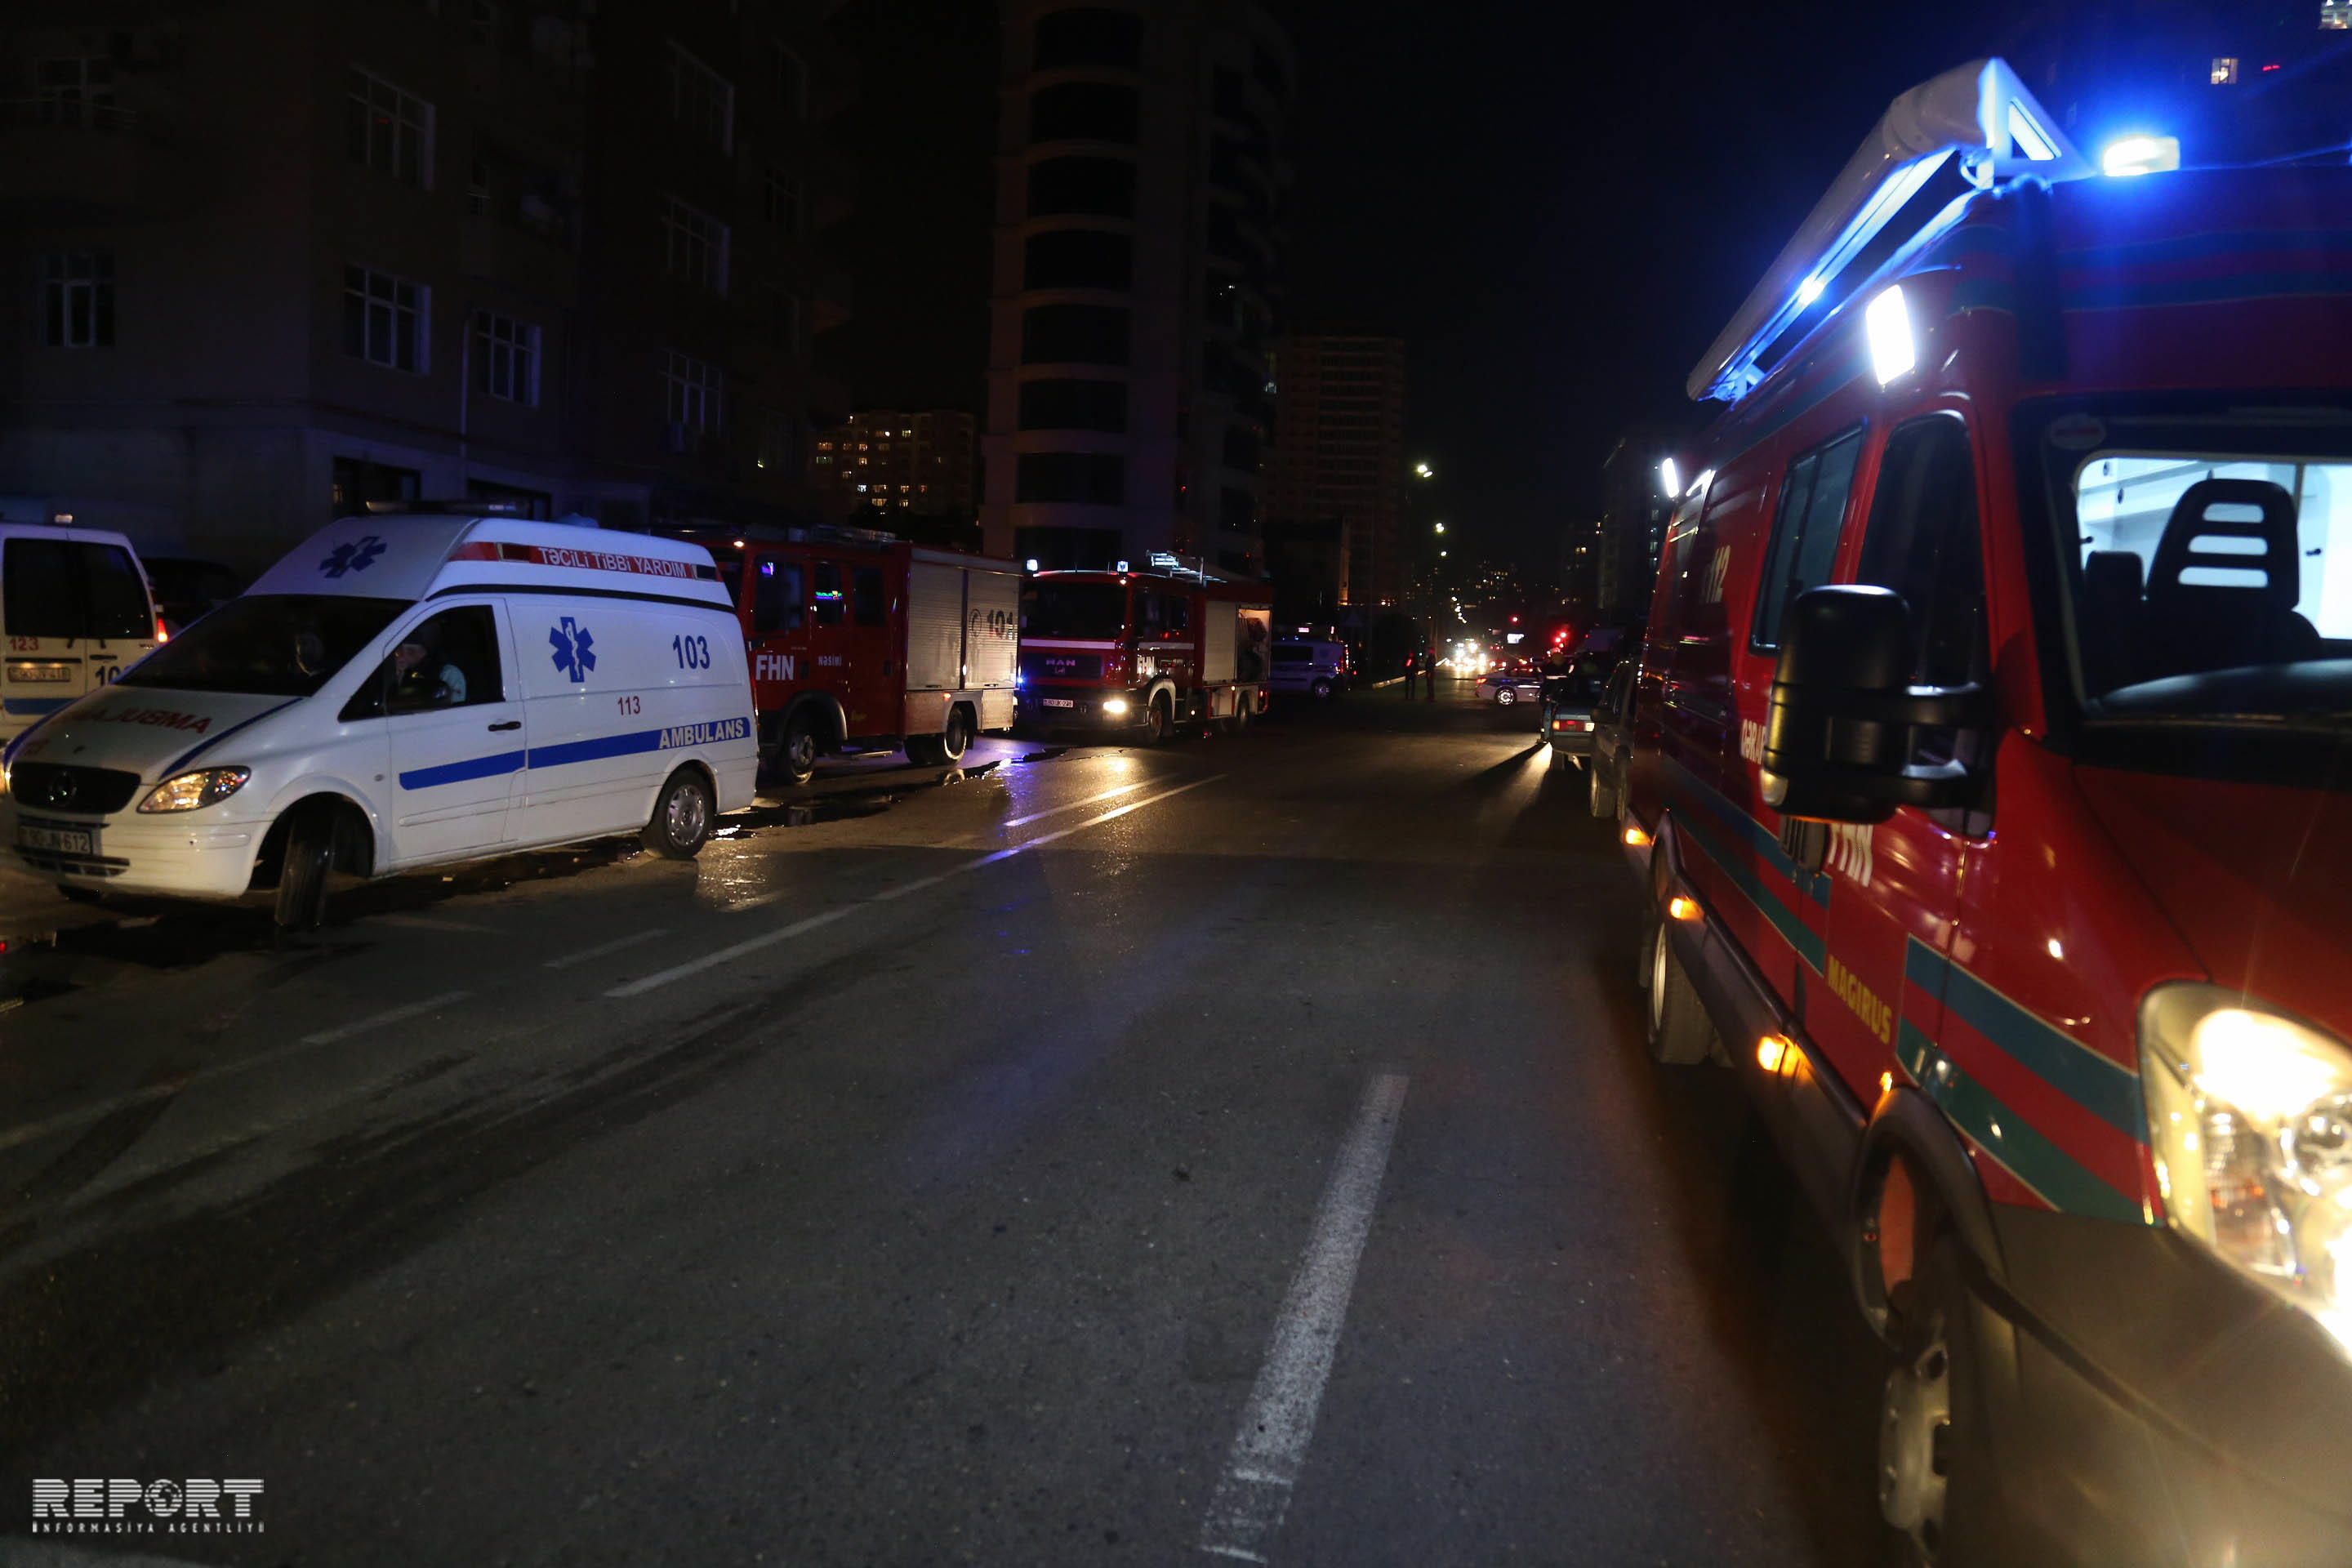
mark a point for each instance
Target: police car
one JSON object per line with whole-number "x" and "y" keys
{"x": 404, "y": 690}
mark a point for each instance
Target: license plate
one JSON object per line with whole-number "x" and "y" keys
{"x": 57, "y": 840}
{"x": 1058, "y": 701}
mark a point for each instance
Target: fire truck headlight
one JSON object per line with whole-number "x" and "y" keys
{"x": 1114, "y": 705}
{"x": 2249, "y": 1121}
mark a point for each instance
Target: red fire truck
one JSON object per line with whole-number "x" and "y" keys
{"x": 1988, "y": 783}
{"x": 1143, "y": 650}
{"x": 860, "y": 639}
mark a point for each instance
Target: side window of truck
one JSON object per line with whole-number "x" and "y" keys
{"x": 1805, "y": 536}
{"x": 778, "y": 599}
{"x": 828, "y": 594}
{"x": 1178, "y": 613}
{"x": 865, "y": 596}
{"x": 1923, "y": 542}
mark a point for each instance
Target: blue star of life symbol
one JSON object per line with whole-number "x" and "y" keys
{"x": 353, "y": 557}
{"x": 574, "y": 648}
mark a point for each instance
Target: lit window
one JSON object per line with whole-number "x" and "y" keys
{"x": 2336, "y": 16}
{"x": 388, "y": 130}
{"x": 2225, "y": 67}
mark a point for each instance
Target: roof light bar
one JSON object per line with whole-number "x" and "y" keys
{"x": 1887, "y": 323}
{"x": 1979, "y": 111}
{"x": 2140, "y": 155}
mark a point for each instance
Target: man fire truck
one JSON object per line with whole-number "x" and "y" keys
{"x": 861, "y": 639}
{"x": 1988, "y": 783}
{"x": 1125, "y": 650}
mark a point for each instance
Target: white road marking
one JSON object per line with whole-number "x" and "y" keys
{"x": 603, "y": 948}
{"x": 383, "y": 1019}
{"x": 1271, "y": 1446}
{"x": 709, "y": 961}
{"x": 1057, "y": 810}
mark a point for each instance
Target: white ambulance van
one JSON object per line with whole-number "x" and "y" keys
{"x": 75, "y": 611}
{"x": 404, "y": 690}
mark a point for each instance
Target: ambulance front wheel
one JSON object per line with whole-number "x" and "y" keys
{"x": 302, "y": 874}
{"x": 681, "y": 819}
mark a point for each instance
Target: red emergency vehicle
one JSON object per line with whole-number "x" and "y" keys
{"x": 1143, "y": 650}
{"x": 1990, "y": 749}
{"x": 858, "y": 639}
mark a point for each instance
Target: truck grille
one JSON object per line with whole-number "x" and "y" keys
{"x": 1046, "y": 664}
{"x": 50, "y": 786}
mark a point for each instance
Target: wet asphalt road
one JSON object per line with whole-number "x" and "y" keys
{"x": 865, "y": 1193}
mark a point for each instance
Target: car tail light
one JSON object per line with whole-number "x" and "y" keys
{"x": 160, "y": 635}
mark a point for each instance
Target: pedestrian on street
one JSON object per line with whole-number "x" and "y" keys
{"x": 1429, "y": 672}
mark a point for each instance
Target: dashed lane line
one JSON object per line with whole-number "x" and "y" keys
{"x": 1072, "y": 805}
{"x": 385, "y": 1019}
{"x": 729, "y": 954}
{"x": 1270, "y": 1449}
{"x": 603, "y": 949}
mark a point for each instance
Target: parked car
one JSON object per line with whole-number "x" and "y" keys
{"x": 188, "y": 589}
{"x": 1604, "y": 770}
{"x": 1569, "y": 701}
{"x": 401, "y": 691}
{"x": 1317, "y": 669}
{"x": 1508, "y": 687}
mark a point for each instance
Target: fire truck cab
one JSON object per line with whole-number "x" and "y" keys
{"x": 1146, "y": 651}
{"x": 863, "y": 641}
{"x": 1988, "y": 751}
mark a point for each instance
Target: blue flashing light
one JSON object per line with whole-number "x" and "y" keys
{"x": 1811, "y": 289}
{"x": 2140, "y": 155}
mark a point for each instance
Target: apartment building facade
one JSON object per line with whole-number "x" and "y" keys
{"x": 272, "y": 259}
{"x": 1335, "y": 484}
{"x": 1142, "y": 185}
{"x": 897, "y": 463}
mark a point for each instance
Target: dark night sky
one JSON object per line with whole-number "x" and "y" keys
{"x": 1556, "y": 206}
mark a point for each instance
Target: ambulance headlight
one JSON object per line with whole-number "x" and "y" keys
{"x": 206, "y": 786}
{"x": 2249, "y": 1121}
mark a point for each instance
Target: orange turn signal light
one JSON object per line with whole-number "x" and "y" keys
{"x": 1683, "y": 908}
{"x": 1635, "y": 837}
{"x": 1771, "y": 1051}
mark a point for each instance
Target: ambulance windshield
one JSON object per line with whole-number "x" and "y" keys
{"x": 1074, "y": 610}
{"x": 273, "y": 645}
{"x": 2207, "y": 562}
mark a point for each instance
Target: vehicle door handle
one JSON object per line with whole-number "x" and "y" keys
{"x": 509, "y": 724}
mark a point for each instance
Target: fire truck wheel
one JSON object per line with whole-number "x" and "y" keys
{"x": 794, "y": 761}
{"x": 1937, "y": 1488}
{"x": 956, "y": 739}
{"x": 1157, "y": 723}
{"x": 1322, "y": 690}
{"x": 1239, "y": 722}
{"x": 681, "y": 820}
{"x": 1680, "y": 1035}
{"x": 302, "y": 875}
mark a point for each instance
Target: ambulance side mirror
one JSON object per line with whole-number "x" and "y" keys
{"x": 1849, "y": 738}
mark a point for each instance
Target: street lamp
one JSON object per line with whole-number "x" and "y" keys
{"x": 1441, "y": 528}
{"x": 1423, "y": 471}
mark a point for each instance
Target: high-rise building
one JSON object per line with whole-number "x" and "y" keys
{"x": 1338, "y": 456}
{"x": 897, "y": 463}
{"x": 281, "y": 258}
{"x": 1633, "y": 512}
{"x": 1139, "y": 197}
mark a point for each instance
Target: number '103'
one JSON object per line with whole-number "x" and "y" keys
{"x": 693, "y": 653}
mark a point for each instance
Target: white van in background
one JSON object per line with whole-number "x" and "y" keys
{"x": 1317, "y": 669}
{"x": 404, "y": 690}
{"x": 74, "y": 609}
